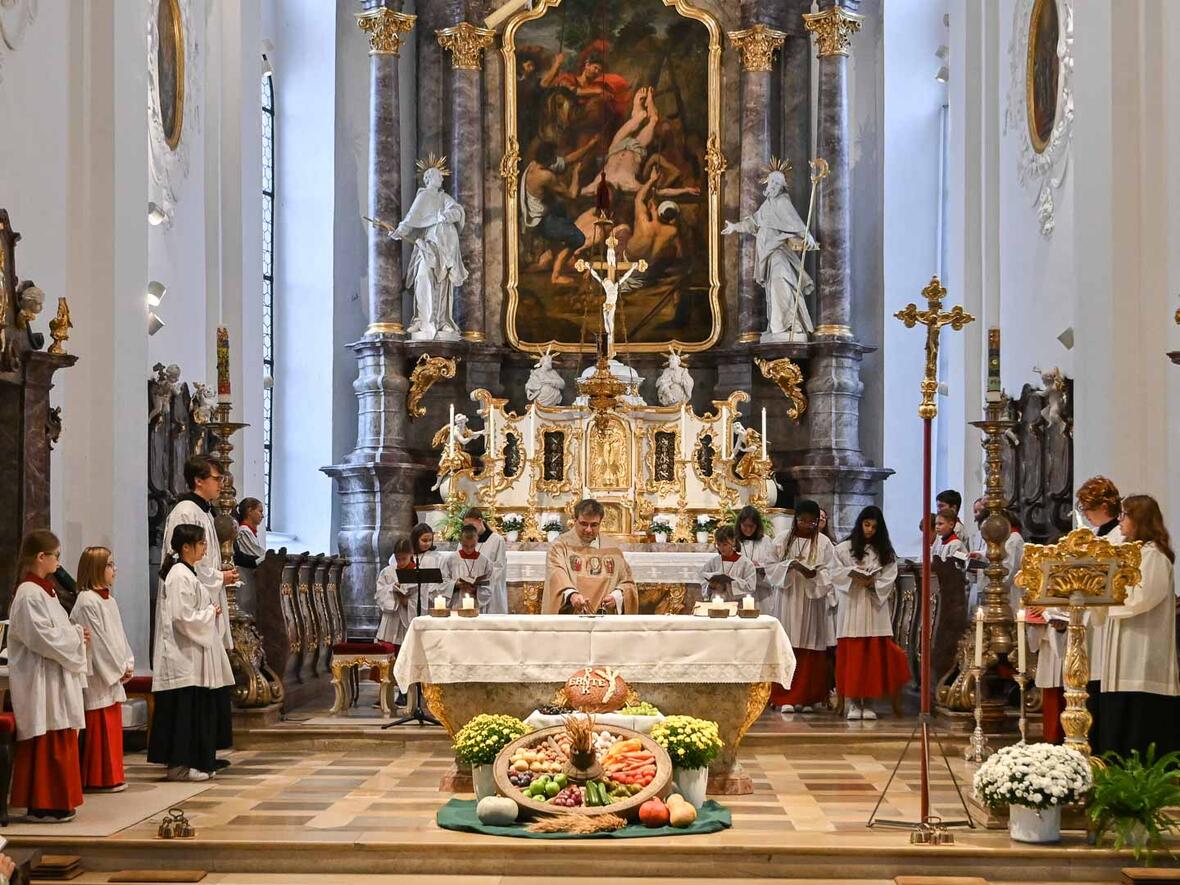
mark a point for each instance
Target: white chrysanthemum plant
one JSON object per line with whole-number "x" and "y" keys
{"x": 1033, "y": 776}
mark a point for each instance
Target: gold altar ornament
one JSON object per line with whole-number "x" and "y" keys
{"x": 59, "y": 327}
{"x": 510, "y": 165}
{"x": 933, "y": 318}
{"x": 466, "y": 43}
{"x": 715, "y": 163}
{"x": 1080, "y": 571}
{"x": 789, "y": 378}
{"x": 385, "y": 27}
{"x": 833, "y": 29}
{"x": 757, "y": 46}
{"x": 427, "y": 371}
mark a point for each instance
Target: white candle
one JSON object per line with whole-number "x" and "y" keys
{"x": 440, "y": 602}
{"x": 468, "y": 603}
{"x": 1021, "y": 619}
{"x": 491, "y": 440}
{"x": 451, "y": 432}
{"x": 724, "y": 435}
{"x": 764, "y": 433}
{"x": 748, "y": 602}
{"x": 683, "y": 433}
{"x": 979, "y": 639}
{"x": 531, "y": 445}
{"x": 718, "y": 601}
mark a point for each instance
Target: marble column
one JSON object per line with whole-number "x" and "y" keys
{"x": 466, "y": 44}
{"x": 757, "y": 45}
{"x": 374, "y": 484}
{"x": 835, "y": 472}
{"x": 796, "y": 101}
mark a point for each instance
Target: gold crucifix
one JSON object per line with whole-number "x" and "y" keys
{"x": 933, "y": 318}
{"x": 610, "y": 284}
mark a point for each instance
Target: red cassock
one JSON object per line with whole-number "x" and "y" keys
{"x": 1052, "y": 704}
{"x": 870, "y": 666}
{"x": 812, "y": 681}
{"x": 45, "y": 773}
{"x": 102, "y": 748}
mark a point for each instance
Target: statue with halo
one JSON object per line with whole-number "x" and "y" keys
{"x": 544, "y": 385}
{"x": 674, "y": 384}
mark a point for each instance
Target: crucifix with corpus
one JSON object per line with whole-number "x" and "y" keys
{"x": 610, "y": 285}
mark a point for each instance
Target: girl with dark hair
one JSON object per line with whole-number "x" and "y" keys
{"x": 869, "y": 664}
{"x": 756, "y": 546}
{"x": 727, "y": 573}
{"x": 425, "y": 556}
{"x": 802, "y": 577}
{"x": 47, "y": 673}
{"x": 1140, "y": 684}
{"x": 111, "y": 664}
{"x": 248, "y": 548}
{"x": 190, "y": 665}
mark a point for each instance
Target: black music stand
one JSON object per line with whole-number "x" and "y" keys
{"x": 418, "y": 577}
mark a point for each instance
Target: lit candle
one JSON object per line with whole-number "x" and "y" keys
{"x": 764, "y": 433}
{"x": 491, "y": 440}
{"x": 222, "y": 364}
{"x": 748, "y": 602}
{"x": 440, "y": 601}
{"x": 718, "y": 601}
{"x": 683, "y": 433}
{"x": 468, "y": 603}
{"x": 979, "y": 638}
{"x": 451, "y": 431}
{"x": 531, "y": 447}
{"x": 1021, "y": 619}
{"x": 993, "y": 366}
{"x": 724, "y": 435}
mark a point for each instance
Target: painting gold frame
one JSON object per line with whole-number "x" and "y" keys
{"x": 1040, "y": 143}
{"x": 176, "y": 38}
{"x": 510, "y": 170}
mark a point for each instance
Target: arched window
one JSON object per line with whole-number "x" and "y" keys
{"x": 268, "y": 315}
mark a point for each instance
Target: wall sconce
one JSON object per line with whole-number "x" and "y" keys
{"x": 155, "y": 293}
{"x": 155, "y": 324}
{"x": 156, "y": 215}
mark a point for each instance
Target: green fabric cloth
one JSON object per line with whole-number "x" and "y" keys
{"x": 459, "y": 814}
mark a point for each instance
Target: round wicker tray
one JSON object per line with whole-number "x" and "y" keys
{"x": 626, "y": 808}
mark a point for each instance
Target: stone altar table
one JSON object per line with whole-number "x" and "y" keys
{"x": 718, "y": 669}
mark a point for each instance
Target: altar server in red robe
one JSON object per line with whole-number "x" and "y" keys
{"x": 111, "y": 664}
{"x": 47, "y": 671}
{"x": 804, "y": 583}
{"x": 869, "y": 664}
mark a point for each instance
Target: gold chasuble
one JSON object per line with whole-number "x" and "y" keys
{"x": 595, "y": 572}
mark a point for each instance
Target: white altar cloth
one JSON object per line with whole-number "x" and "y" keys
{"x": 647, "y": 566}
{"x": 549, "y": 648}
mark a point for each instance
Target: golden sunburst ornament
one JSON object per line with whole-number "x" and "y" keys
{"x": 434, "y": 162}
{"x": 775, "y": 165}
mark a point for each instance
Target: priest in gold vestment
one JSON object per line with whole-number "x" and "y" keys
{"x": 582, "y": 577}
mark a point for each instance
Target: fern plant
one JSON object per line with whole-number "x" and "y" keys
{"x": 1131, "y": 797}
{"x": 452, "y": 522}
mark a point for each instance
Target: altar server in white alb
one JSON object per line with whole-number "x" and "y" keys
{"x": 111, "y": 665}
{"x": 803, "y": 580}
{"x": 758, "y": 547}
{"x": 427, "y": 557}
{"x": 947, "y": 543}
{"x": 395, "y": 599}
{"x": 727, "y": 573}
{"x": 46, "y": 673}
{"x": 191, "y": 669}
{"x": 869, "y": 664}
{"x": 470, "y": 571}
{"x": 1140, "y": 684}
{"x": 1046, "y": 630}
{"x": 495, "y": 548}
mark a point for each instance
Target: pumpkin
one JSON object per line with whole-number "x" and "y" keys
{"x": 681, "y": 812}
{"x": 653, "y": 813}
{"x": 596, "y": 690}
{"x": 496, "y": 811}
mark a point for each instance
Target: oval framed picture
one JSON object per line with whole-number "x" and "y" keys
{"x": 170, "y": 69}
{"x": 1044, "y": 73}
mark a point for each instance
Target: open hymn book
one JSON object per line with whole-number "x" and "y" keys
{"x": 801, "y": 567}
{"x": 865, "y": 576}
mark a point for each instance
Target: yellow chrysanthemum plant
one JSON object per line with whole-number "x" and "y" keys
{"x": 480, "y": 741}
{"x": 690, "y": 742}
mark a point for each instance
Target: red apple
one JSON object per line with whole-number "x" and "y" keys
{"x": 653, "y": 813}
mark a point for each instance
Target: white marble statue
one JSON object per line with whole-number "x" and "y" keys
{"x": 674, "y": 384}
{"x": 202, "y": 402}
{"x": 163, "y": 386}
{"x": 779, "y": 238}
{"x": 1054, "y": 411}
{"x": 454, "y": 455}
{"x": 436, "y": 264}
{"x": 32, "y": 300}
{"x": 544, "y": 386}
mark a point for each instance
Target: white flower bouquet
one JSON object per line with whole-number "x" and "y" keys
{"x": 1034, "y": 776}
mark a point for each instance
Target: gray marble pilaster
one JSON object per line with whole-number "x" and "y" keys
{"x": 795, "y": 72}
{"x": 756, "y": 149}
{"x": 467, "y": 153}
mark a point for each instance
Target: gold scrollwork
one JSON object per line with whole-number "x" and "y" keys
{"x": 466, "y": 43}
{"x": 432, "y": 694}
{"x": 789, "y": 378}
{"x": 608, "y": 455}
{"x": 715, "y": 166}
{"x": 757, "y": 46}
{"x": 1081, "y": 563}
{"x": 569, "y": 456}
{"x": 510, "y": 165}
{"x": 427, "y": 371}
{"x": 385, "y": 27}
{"x": 833, "y": 29}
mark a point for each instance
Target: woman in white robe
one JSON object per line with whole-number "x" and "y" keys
{"x": 46, "y": 672}
{"x": 427, "y": 557}
{"x": 758, "y": 547}
{"x": 869, "y": 664}
{"x": 111, "y": 664}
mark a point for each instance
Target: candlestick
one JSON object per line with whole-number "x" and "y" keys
{"x": 223, "y": 364}
{"x": 1021, "y": 639}
{"x": 993, "y": 366}
{"x": 979, "y": 637}
{"x": 764, "y": 433}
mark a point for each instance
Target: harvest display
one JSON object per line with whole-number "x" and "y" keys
{"x": 583, "y": 767}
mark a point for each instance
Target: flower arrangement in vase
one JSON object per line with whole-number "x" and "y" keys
{"x": 511, "y": 526}
{"x": 552, "y": 529}
{"x": 660, "y": 529}
{"x": 480, "y": 741}
{"x": 705, "y": 526}
{"x": 691, "y": 744}
{"x": 1034, "y": 781}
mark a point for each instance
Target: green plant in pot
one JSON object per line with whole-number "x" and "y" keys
{"x": 1130, "y": 799}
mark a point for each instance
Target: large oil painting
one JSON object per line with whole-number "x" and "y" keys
{"x": 1044, "y": 72}
{"x": 170, "y": 69}
{"x": 613, "y": 104}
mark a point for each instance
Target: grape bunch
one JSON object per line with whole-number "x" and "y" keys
{"x": 570, "y": 797}
{"x": 552, "y": 710}
{"x": 520, "y": 778}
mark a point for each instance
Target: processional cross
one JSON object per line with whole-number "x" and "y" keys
{"x": 933, "y": 318}
{"x": 610, "y": 284}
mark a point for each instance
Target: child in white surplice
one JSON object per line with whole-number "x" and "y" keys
{"x": 471, "y": 571}
{"x": 727, "y": 573}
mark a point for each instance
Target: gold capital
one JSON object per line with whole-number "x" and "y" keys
{"x": 757, "y": 46}
{"x": 466, "y": 44}
{"x": 933, "y": 318}
{"x": 385, "y": 27}
{"x": 833, "y": 29}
